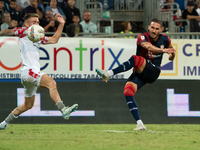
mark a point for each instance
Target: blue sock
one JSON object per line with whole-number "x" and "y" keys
{"x": 133, "y": 107}
{"x": 125, "y": 66}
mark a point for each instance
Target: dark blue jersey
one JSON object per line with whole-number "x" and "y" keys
{"x": 162, "y": 42}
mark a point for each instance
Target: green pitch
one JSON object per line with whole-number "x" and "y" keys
{"x": 94, "y": 137}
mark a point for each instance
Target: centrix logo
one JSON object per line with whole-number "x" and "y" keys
{"x": 72, "y": 53}
{"x": 70, "y": 58}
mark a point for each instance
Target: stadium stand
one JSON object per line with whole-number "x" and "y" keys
{"x": 108, "y": 16}
{"x": 129, "y": 10}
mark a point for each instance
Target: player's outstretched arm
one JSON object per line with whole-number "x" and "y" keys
{"x": 54, "y": 39}
{"x": 148, "y": 46}
{"x": 7, "y": 32}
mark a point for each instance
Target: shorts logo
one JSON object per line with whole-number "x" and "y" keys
{"x": 33, "y": 74}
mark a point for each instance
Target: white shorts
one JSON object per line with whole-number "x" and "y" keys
{"x": 30, "y": 79}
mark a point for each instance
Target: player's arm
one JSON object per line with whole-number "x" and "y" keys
{"x": 7, "y": 32}
{"x": 148, "y": 46}
{"x": 54, "y": 39}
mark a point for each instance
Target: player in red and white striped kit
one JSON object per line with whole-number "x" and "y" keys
{"x": 31, "y": 77}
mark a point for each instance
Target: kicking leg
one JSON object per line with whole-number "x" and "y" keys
{"x": 129, "y": 91}
{"x": 137, "y": 62}
{"x": 49, "y": 83}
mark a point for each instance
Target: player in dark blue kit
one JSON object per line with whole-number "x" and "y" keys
{"x": 146, "y": 65}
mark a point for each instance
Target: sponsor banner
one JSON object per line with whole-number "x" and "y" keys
{"x": 70, "y": 58}
{"x": 77, "y": 58}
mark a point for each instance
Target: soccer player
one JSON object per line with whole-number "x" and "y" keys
{"x": 31, "y": 77}
{"x": 146, "y": 65}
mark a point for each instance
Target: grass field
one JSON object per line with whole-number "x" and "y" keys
{"x": 94, "y": 137}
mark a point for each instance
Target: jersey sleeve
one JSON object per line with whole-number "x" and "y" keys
{"x": 169, "y": 42}
{"x": 141, "y": 38}
{"x": 20, "y": 32}
{"x": 44, "y": 40}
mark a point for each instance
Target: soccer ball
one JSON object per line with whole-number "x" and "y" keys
{"x": 35, "y": 33}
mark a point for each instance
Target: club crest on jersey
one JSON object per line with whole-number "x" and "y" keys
{"x": 162, "y": 46}
{"x": 142, "y": 37}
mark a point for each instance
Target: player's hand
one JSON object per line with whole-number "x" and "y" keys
{"x": 60, "y": 19}
{"x": 171, "y": 56}
{"x": 169, "y": 50}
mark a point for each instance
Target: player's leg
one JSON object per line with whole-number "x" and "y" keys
{"x": 28, "y": 104}
{"x": 131, "y": 87}
{"x": 150, "y": 72}
{"x": 137, "y": 62}
{"x": 49, "y": 83}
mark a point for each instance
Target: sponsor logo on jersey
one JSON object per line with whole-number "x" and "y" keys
{"x": 142, "y": 37}
{"x": 162, "y": 46}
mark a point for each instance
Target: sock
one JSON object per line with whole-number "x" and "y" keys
{"x": 133, "y": 107}
{"x": 60, "y": 106}
{"x": 110, "y": 73}
{"x": 10, "y": 118}
{"x": 139, "y": 122}
{"x": 125, "y": 66}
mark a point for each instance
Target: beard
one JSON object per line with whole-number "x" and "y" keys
{"x": 87, "y": 21}
{"x": 155, "y": 35}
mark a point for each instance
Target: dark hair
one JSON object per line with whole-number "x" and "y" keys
{"x": 1, "y": 0}
{"x": 50, "y": 1}
{"x": 15, "y": 20}
{"x": 12, "y": 0}
{"x": 76, "y": 15}
{"x": 30, "y": 15}
{"x": 157, "y": 21}
{"x": 190, "y": 3}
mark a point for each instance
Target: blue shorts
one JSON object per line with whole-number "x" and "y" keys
{"x": 149, "y": 75}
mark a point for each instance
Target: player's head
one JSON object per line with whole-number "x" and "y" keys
{"x": 30, "y": 19}
{"x": 87, "y": 16}
{"x": 155, "y": 28}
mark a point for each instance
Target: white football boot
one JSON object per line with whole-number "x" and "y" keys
{"x": 2, "y": 126}
{"x": 140, "y": 127}
{"x": 103, "y": 74}
{"x": 69, "y": 110}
